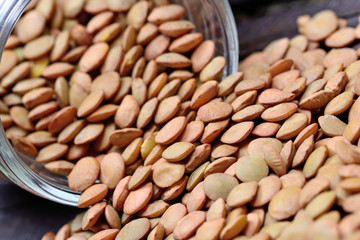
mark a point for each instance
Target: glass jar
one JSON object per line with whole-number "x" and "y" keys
{"x": 213, "y": 18}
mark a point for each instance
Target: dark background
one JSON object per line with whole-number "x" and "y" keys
{"x": 27, "y": 217}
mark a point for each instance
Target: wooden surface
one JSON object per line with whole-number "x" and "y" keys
{"x": 27, "y": 217}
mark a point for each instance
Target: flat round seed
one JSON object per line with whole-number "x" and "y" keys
{"x": 313, "y": 188}
{"x": 61, "y": 167}
{"x": 156, "y": 47}
{"x": 43, "y": 110}
{"x": 236, "y": 222}
{"x": 109, "y": 82}
{"x": 172, "y": 216}
{"x": 224, "y": 150}
{"x": 267, "y": 188}
{"x": 93, "y": 57}
{"x": 210, "y": 229}
{"x": 213, "y": 70}
{"x": 113, "y": 59}
{"x": 171, "y": 131}
{"x": 266, "y": 129}
{"x": 282, "y": 80}
{"x": 41, "y": 138}
{"x": 102, "y": 113}
{"x": 112, "y": 169}
{"x": 176, "y": 28}
{"x": 140, "y": 175}
{"x": 292, "y": 126}
{"x": 166, "y": 174}
{"x": 127, "y": 112}
{"x": 25, "y": 30}
{"x": 276, "y": 50}
{"x": 285, "y": 203}
{"x": 58, "y": 69}
{"x": 27, "y": 85}
{"x": 37, "y": 96}
{"x": 139, "y": 90}
{"x": 314, "y": 161}
{"x": 74, "y": 54}
{"x": 61, "y": 89}
{"x": 251, "y": 168}
{"x": 237, "y": 132}
{"x": 280, "y": 66}
{"x": 92, "y": 215}
{"x": 20, "y": 116}
{"x": 120, "y": 193}
{"x": 188, "y": 225}
{"x": 293, "y": 178}
{"x": 320, "y": 204}
{"x": 39, "y": 47}
{"x": 154, "y": 209}
{"x": 287, "y": 153}
{"x": 175, "y": 190}
{"x": 196, "y": 198}
{"x": 146, "y": 33}
{"x": 19, "y": 72}
{"x": 274, "y": 160}
{"x": 51, "y": 152}
{"x": 219, "y": 185}
{"x": 90, "y": 103}
{"x": 125, "y": 87}
{"x": 166, "y": 13}
{"x": 340, "y": 103}
{"x": 242, "y": 194}
{"x": 99, "y": 21}
{"x": 132, "y": 151}
{"x": 186, "y": 42}
{"x": 341, "y": 38}
{"x": 61, "y": 119}
{"x": 213, "y": 130}
{"x": 69, "y": 132}
{"x": 112, "y": 217}
{"x": 248, "y": 113}
{"x": 125, "y": 136}
{"x": 138, "y": 198}
{"x": 134, "y": 230}
{"x": 24, "y": 145}
{"x": 303, "y": 151}
{"x": 274, "y": 96}
{"x": 321, "y": 25}
{"x": 313, "y": 73}
{"x": 89, "y": 133}
{"x": 8, "y": 61}
{"x": 167, "y": 109}
{"x": 108, "y": 33}
{"x": 216, "y": 210}
{"x": 178, "y": 151}
{"x": 331, "y": 125}
{"x": 92, "y": 195}
{"x": 192, "y": 131}
{"x": 350, "y": 184}
{"x": 169, "y": 89}
{"x": 219, "y": 165}
{"x": 214, "y": 111}
{"x": 350, "y": 170}
{"x": 279, "y": 112}
{"x": 249, "y": 84}
{"x": 199, "y": 156}
{"x": 244, "y": 100}
{"x": 130, "y": 58}
{"x": 173, "y": 60}
{"x": 202, "y": 55}
{"x": 149, "y": 144}
{"x": 346, "y": 56}
{"x": 256, "y": 146}
{"x": 350, "y": 203}
{"x": 204, "y": 94}
{"x": 305, "y": 133}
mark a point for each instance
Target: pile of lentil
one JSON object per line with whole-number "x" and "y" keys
{"x": 125, "y": 99}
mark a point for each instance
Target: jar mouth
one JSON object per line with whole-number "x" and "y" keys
{"x": 216, "y": 21}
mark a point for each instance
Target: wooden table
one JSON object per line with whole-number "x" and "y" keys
{"x": 27, "y": 217}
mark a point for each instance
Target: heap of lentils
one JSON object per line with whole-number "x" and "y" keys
{"x": 124, "y": 98}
